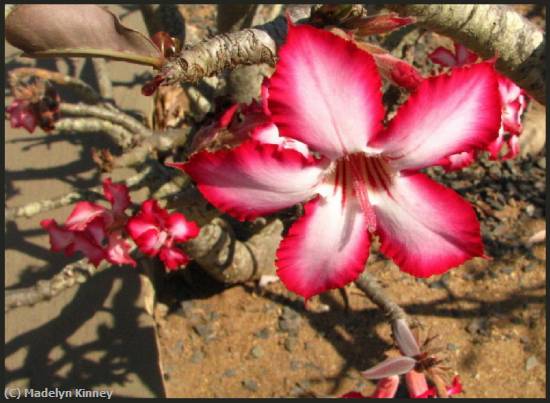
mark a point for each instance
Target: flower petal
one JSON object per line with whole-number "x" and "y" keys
{"x": 417, "y": 385}
{"x": 425, "y": 227}
{"x": 89, "y": 248}
{"x": 443, "y": 57}
{"x": 325, "y": 92}
{"x": 181, "y": 229}
{"x": 458, "y": 161}
{"x": 386, "y": 388}
{"x": 447, "y": 114}
{"x": 138, "y": 225}
{"x": 255, "y": 179}
{"x": 118, "y": 251}
{"x": 173, "y": 258}
{"x": 60, "y": 238}
{"x": 117, "y": 195}
{"x": 150, "y": 241}
{"x": 464, "y": 55}
{"x": 326, "y": 248}
{"x": 83, "y": 213}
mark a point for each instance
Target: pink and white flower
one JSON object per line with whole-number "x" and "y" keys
{"x": 513, "y": 103}
{"x": 155, "y": 230}
{"x": 360, "y": 179}
{"x": 95, "y": 230}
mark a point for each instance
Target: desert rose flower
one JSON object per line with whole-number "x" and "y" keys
{"x": 513, "y": 103}
{"x": 95, "y": 230}
{"x": 360, "y": 178}
{"x": 155, "y": 231}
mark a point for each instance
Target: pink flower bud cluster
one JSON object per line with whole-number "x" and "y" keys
{"x": 101, "y": 233}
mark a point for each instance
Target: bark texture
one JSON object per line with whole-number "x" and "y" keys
{"x": 490, "y": 30}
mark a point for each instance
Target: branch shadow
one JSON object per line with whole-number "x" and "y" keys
{"x": 122, "y": 348}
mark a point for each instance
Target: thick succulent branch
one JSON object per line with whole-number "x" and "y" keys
{"x": 490, "y": 30}
{"x": 119, "y": 134}
{"x": 247, "y": 47}
{"x": 231, "y": 261}
{"x": 115, "y": 117}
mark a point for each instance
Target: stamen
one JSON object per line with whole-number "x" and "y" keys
{"x": 360, "y": 189}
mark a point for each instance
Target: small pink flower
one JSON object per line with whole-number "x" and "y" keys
{"x": 461, "y": 56}
{"x": 95, "y": 230}
{"x": 22, "y": 114}
{"x": 513, "y": 103}
{"x": 360, "y": 178}
{"x": 155, "y": 230}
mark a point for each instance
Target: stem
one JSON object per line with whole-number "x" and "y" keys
{"x": 88, "y": 94}
{"x": 31, "y": 209}
{"x": 103, "y": 80}
{"x": 490, "y": 30}
{"x": 371, "y": 287}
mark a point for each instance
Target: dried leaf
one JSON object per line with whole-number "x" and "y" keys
{"x": 52, "y": 30}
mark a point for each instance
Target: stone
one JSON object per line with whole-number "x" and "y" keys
{"x": 257, "y": 352}
{"x": 531, "y": 363}
{"x": 250, "y": 385}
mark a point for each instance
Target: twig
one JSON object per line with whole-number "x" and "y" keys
{"x": 490, "y": 30}
{"x": 118, "y": 117}
{"x": 103, "y": 81}
{"x": 69, "y": 276}
{"x": 31, "y": 209}
{"x": 371, "y": 287}
{"x": 119, "y": 134}
{"x": 88, "y": 94}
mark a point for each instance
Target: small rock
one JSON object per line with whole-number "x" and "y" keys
{"x": 290, "y": 344}
{"x": 524, "y": 340}
{"x": 530, "y": 267}
{"x": 185, "y": 308}
{"x": 178, "y": 347}
{"x": 438, "y": 284}
{"x": 214, "y": 315}
{"x": 161, "y": 311}
{"x": 230, "y": 372}
{"x": 530, "y": 210}
{"x": 257, "y": 352}
{"x": 263, "y": 333}
{"x": 250, "y": 385}
{"x": 197, "y": 357}
{"x": 477, "y": 326}
{"x": 542, "y": 162}
{"x": 507, "y": 270}
{"x": 452, "y": 347}
{"x": 289, "y": 321}
{"x": 531, "y": 363}
{"x": 205, "y": 331}
{"x": 295, "y": 365}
